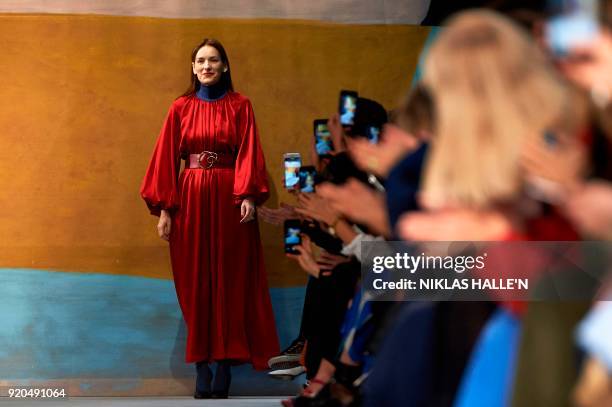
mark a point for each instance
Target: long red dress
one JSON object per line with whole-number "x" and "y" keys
{"x": 217, "y": 262}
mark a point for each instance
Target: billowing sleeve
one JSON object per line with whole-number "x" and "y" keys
{"x": 250, "y": 178}
{"x": 159, "y": 186}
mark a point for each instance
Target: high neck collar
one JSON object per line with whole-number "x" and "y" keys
{"x": 211, "y": 93}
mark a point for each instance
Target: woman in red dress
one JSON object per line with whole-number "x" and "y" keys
{"x": 207, "y": 214}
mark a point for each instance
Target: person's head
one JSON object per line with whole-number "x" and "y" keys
{"x": 340, "y": 168}
{"x": 492, "y": 88}
{"x": 369, "y": 113}
{"x": 415, "y": 114}
{"x": 209, "y": 66}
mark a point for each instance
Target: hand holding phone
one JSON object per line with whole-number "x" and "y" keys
{"x": 323, "y": 138}
{"x": 292, "y": 235}
{"x": 347, "y": 107}
{"x": 292, "y": 163}
{"x": 308, "y": 176}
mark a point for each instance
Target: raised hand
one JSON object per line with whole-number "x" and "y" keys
{"x": 316, "y": 207}
{"x": 279, "y": 215}
{"x": 358, "y": 202}
{"x": 379, "y": 158}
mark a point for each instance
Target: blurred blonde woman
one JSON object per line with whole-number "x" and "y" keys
{"x": 492, "y": 89}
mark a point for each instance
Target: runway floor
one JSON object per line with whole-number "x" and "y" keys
{"x": 144, "y": 402}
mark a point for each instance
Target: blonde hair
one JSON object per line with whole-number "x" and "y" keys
{"x": 492, "y": 87}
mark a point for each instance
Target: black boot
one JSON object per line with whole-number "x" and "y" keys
{"x": 223, "y": 379}
{"x": 203, "y": 380}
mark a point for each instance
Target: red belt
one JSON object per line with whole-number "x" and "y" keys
{"x": 210, "y": 159}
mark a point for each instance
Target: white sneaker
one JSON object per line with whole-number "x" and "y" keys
{"x": 287, "y": 374}
{"x": 284, "y": 361}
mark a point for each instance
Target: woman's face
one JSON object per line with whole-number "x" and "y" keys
{"x": 208, "y": 65}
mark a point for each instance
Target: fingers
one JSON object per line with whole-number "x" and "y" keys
{"x": 248, "y": 215}
{"x": 163, "y": 229}
{"x": 299, "y": 248}
{"x": 276, "y": 216}
{"x": 168, "y": 227}
{"x": 305, "y": 199}
{"x": 327, "y": 190}
{"x": 247, "y": 211}
{"x": 266, "y": 215}
{"x": 365, "y": 154}
{"x": 304, "y": 211}
{"x": 164, "y": 235}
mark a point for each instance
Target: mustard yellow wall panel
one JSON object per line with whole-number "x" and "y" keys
{"x": 83, "y": 97}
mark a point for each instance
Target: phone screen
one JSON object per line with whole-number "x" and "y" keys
{"x": 348, "y": 107}
{"x": 373, "y": 134}
{"x": 323, "y": 142}
{"x": 568, "y": 31}
{"x": 292, "y": 235}
{"x": 293, "y": 162}
{"x": 307, "y": 178}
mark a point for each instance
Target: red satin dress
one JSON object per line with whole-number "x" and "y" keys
{"x": 217, "y": 262}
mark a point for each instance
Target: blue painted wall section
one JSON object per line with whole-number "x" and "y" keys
{"x": 58, "y": 325}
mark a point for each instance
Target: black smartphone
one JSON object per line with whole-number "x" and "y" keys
{"x": 347, "y": 107}
{"x": 292, "y": 163}
{"x": 373, "y": 134}
{"x": 308, "y": 175}
{"x": 323, "y": 141}
{"x": 292, "y": 228}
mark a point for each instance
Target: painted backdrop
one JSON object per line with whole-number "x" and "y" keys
{"x": 86, "y": 297}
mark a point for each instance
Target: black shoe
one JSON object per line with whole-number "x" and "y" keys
{"x": 222, "y": 381}
{"x": 203, "y": 381}
{"x": 219, "y": 395}
{"x": 202, "y": 395}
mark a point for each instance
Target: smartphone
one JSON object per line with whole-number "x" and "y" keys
{"x": 292, "y": 163}
{"x": 308, "y": 176}
{"x": 323, "y": 141}
{"x": 347, "y": 107}
{"x": 373, "y": 134}
{"x": 566, "y": 32}
{"x": 292, "y": 236}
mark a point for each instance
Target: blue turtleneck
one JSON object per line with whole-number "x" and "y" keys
{"x": 211, "y": 93}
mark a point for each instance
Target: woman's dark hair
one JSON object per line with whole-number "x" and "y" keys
{"x": 226, "y": 77}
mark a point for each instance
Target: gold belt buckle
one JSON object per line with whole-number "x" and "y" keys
{"x": 209, "y": 156}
